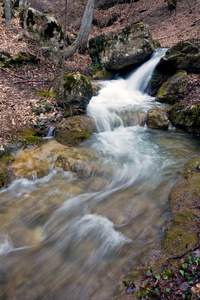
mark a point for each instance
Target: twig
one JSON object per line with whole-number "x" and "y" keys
{"x": 189, "y": 250}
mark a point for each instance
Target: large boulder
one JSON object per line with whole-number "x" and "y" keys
{"x": 157, "y": 119}
{"x": 74, "y": 130}
{"x": 122, "y": 48}
{"x": 186, "y": 117}
{"x": 172, "y": 88}
{"x": 43, "y": 27}
{"x": 185, "y": 55}
{"x": 77, "y": 92}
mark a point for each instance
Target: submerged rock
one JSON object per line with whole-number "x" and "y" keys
{"x": 172, "y": 88}
{"x": 185, "y": 55}
{"x": 122, "y": 48}
{"x": 157, "y": 119}
{"x": 28, "y": 166}
{"x": 77, "y": 166}
{"x": 77, "y": 91}
{"x": 74, "y": 130}
{"x": 186, "y": 117}
{"x": 44, "y": 27}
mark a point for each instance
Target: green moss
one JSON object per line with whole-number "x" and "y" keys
{"x": 161, "y": 92}
{"x": 4, "y": 56}
{"x": 172, "y": 53}
{"x": 4, "y": 162}
{"x": 43, "y": 93}
{"x": 69, "y": 81}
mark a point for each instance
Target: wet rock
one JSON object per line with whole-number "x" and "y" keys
{"x": 43, "y": 27}
{"x": 79, "y": 167}
{"x": 74, "y": 130}
{"x": 122, "y": 48}
{"x": 5, "y": 161}
{"x": 184, "y": 199}
{"x": 77, "y": 92}
{"x": 3, "y": 150}
{"x": 185, "y": 55}
{"x": 157, "y": 119}
{"x": 186, "y": 117}
{"x": 28, "y": 166}
{"x": 172, "y": 88}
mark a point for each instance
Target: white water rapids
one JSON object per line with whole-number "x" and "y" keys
{"x": 104, "y": 226}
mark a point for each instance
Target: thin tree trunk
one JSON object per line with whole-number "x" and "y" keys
{"x": 7, "y": 13}
{"x": 88, "y": 25}
{"x": 64, "y": 49}
{"x": 84, "y": 30}
{"x": 25, "y": 17}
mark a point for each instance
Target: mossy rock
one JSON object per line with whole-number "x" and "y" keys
{"x": 170, "y": 90}
{"x": 186, "y": 117}
{"x": 185, "y": 55}
{"x": 19, "y": 59}
{"x": 77, "y": 92}
{"x": 43, "y": 27}
{"x": 74, "y": 130}
{"x": 123, "y": 48}
{"x": 184, "y": 202}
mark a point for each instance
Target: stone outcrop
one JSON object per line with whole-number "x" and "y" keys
{"x": 77, "y": 92}
{"x": 43, "y": 27}
{"x": 172, "y": 88}
{"x": 185, "y": 55}
{"x": 186, "y": 117}
{"x": 122, "y": 48}
{"x": 74, "y": 130}
{"x": 157, "y": 119}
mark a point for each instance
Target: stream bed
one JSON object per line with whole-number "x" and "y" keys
{"x": 97, "y": 228}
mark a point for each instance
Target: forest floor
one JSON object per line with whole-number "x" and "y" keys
{"x": 20, "y": 104}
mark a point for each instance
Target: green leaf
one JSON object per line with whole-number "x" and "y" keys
{"x": 165, "y": 277}
{"x": 184, "y": 266}
{"x": 167, "y": 290}
{"x": 190, "y": 281}
{"x": 126, "y": 284}
{"x": 157, "y": 276}
{"x": 182, "y": 272}
{"x": 183, "y": 296}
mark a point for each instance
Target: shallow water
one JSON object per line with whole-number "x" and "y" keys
{"x": 64, "y": 237}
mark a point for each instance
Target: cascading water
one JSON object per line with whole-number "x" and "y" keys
{"x": 99, "y": 226}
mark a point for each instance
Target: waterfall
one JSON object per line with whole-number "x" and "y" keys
{"x": 123, "y": 94}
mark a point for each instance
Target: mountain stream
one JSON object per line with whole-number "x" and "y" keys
{"x": 101, "y": 228}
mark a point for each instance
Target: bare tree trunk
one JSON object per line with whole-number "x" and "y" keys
{"x": 82, "y": 38}
{"x": 7, "y": 13}
{"x": 64, "y": 48}
{"x": 22, "y": 4}
{"x": 88, "y": 25}
{"x": 25, "y": 17}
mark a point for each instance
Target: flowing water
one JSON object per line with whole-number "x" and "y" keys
{"x": 98, "y": 228}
